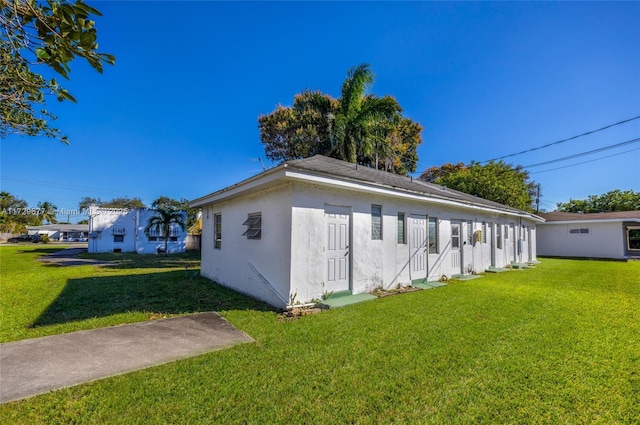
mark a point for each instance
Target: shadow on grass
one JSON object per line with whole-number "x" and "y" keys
{"x": 131, "y": 260}
{"x": 170, "y": 292}
{"x": 42, "y": 251}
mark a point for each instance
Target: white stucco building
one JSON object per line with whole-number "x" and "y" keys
{"x": 319, "y": 225}
{"x": 61, "y": 232}
{"x": 122, "y": 230}
{"x": 602, "y": 235}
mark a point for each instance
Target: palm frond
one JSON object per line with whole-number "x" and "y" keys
{"x": 359, "y": 79}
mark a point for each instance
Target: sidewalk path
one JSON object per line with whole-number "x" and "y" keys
{"x": 69, "y": 257}
{"x": 36, "y": 366}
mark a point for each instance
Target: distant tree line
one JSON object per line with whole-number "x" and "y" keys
{"x": 615, "y": 200}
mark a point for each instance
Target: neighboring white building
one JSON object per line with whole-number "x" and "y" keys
{"x": 602, "y": 235}
{"x": 122, "y": 230}
{"x": 61, "y": 232}
{"x": 318, "y": 225}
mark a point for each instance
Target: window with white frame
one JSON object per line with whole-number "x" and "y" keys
{"x": 455, "y": 235}
{"x": 376, "y": 222}
{"x": 217, "y": 231}
{"x": 433, "y": 235}
{"x": 156, "y": 234}
{"x": 484, "y": 232}
{"x": 469, "y": 232}
{"x": 118, "y": 238}
{"x": 254, "y": 226}
{"x": 633, "y": 238}
{"x": 499, "y": 236}
{"x": 582, "y": 231}
{"x": 402, "y": 234}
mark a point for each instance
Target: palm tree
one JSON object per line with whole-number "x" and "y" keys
{"x": 163, "y": 221}
{"x": 362, "y": 121}
{"x": 48, "y": 212}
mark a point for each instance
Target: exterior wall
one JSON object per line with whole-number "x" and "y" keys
{"x": 104, "y": 221}
{"x": 260, "y": 267}
{"x": 604, "y": 240}
{"x": 289, "y": 263}
{"x": 385, "y": 262}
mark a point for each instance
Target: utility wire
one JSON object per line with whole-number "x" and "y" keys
{"x": 54, "y": 185}
{"x": 585, "y": 162}
{"x": 617, "y": 145}
{"x": 563, "y": 140}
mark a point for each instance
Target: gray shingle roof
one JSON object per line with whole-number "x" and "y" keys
{"x": 357, "y": 173}
{"x": 567, "y": 216}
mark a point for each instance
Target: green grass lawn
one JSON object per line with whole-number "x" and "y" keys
{"x": 39, "y": 299}
{"x": 555, "y": 344}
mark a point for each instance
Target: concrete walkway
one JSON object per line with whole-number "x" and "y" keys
{"x": 36, "y": 366}
{"x": 69, "y": 257}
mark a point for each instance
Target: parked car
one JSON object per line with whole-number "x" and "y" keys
{"x": 25, "y": 238}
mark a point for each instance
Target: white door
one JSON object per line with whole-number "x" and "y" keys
{"x": 337, "y": 248}
{"x": 456, "y": 242}
{"x": 512, "y": 244}
{"x": 492, "y": 240}
{"x": 418, "y": 259}
{"x": 467, "y": 246}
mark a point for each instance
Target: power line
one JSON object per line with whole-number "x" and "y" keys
{"x": 563, "y": 140}
{"x": 585, "y": 162}
{"x": 54, "y": 185}
{"x": 617, "y": 145}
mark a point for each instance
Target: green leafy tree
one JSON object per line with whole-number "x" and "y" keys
{"x": 120, "y": 202}
{"x": 615, "y": 200}
{"x": 124, "y": 202}
{"x": 87, "y": 201}
{"x": 15, "y": 215}
{"x": 51, "y": 33}
{"x": 494, "y": 181}
{"x": 432, "y": 174}
{"x": 162, "y": 222}
{"x": 47, "y": 212}
{"x": 164, "y": 202}
{"x": 356, "y": 127}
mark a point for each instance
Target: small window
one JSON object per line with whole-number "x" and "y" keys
{"x": 484, "y": 232}
{"x": 402, "y": 235}
{"x": 469, "y": 232}
{"x": 524, "y": 233}
{"x": 254, "y": 226}
{"x": 118, "y": 230}
{"x": 499, "y": 236}
{"x": 118, "y": 238}
{"x": 455, "y": 235}
{"x": 578, "y": 231}
{"x": 376, "y": 222}
{"x": 217, "y": 230}
{"x": 633, "y": 238}
{"x": 433, "y": 235}
{"x": 506, "y": 232}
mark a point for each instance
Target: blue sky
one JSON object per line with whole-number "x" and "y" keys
{"x": 177, "y": 115}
